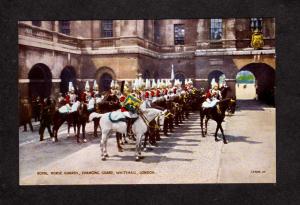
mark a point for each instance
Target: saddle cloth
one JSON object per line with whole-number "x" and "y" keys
{"x": 210, "y": 104}
{"x": 67, "y": 109}
{"x": 117, "y": 116}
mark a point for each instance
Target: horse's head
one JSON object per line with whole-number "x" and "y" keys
{"x": 82, "y": 108}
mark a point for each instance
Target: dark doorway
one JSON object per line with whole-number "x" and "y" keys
{"x": 105, "y": 81}
{"x": 265, "y": 81}
{"x": 181, "y": 77}
{"x": 40, "y": 81}
{"x": 146, "y": 74}
{"x": 67, "y": 75}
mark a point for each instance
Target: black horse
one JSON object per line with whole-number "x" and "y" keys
{"x": 217, "y": 113}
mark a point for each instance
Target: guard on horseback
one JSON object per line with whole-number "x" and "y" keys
{"x": 213, "y": 96}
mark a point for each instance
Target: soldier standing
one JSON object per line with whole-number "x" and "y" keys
{"x": 46, "y": 119}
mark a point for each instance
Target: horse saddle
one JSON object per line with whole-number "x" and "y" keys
{"x": 117, "y": 116}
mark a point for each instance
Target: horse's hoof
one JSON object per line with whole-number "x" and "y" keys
{"x": 106, "y": 155}
{"x": 217, "y": 140}
{"x": 84, "y": 140}
{"x": 137, "y": 159}
{"x": 103, "y": 158}
{"x": 120, "y": 150}
{"x": 225, "y": 142}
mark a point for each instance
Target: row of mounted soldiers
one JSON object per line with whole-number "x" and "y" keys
{"x": 173, "y": 96}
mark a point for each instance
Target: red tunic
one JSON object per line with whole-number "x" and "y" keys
{"x": 67, "y": 99}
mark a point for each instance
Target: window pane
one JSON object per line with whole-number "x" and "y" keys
{"x": 256, "y": 23}
{"x": 179, "y": 33}
{"x": 107, "y": 28}
{"x": 64, "y": 27}
{"x": 216, "y": 29}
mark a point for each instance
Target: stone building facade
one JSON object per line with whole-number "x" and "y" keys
{"x": 52, "y": 53}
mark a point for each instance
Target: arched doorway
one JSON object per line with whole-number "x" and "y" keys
{"x": 67, "y": 75}
{"x": 40, "y": 81}
{"x": 104, "y": 76}
{"x": 156, "y": 75}
{"x": 181, "y": 77}
{"x": 265, "y": 81}
{"x": 245, "y": 86}
{"x": 105, "y": 81}
{"x": 219, "y": 77}
{"x": 146, "y": 74}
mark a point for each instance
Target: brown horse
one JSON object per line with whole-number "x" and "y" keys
{"x": 81, "y": 119}
{"x": 60, "y": 118}
{"x": 217, "y": 113}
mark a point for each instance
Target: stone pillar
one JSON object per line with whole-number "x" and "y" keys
{"x": 229, "y": 33}
{"x": 56, "y": 29}
{"x": 140, "y": 28}
{"x": 128, "y": 28}
{"x": 203, "y": 33}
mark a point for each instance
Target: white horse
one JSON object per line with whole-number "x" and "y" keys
{"x": 139, "y": 128}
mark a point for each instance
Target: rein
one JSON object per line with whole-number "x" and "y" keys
{"x": 147, "y": 121}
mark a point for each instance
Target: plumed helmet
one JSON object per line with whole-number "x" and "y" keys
{"x": 87, "y": 86}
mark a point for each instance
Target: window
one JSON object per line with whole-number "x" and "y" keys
{"x": 178, "y": 34}
{"x": 107, "y": 28}
{"x": 256, "y": 23}
{"x": 156, "y": 31}
{"x": 64, "y": 27}
{"x": 37, "y": 23}
{"x": 215, "y": 29}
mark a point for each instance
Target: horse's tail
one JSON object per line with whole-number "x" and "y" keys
{"x": 94, "y": 115}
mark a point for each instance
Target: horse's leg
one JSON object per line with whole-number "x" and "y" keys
{"x": 206, "y": 121}
{"x": 78, "y": 132}
{"x": 83, "y": 131}
{"x": 49, "y": 130}
{"x": 118, "y": 138}
{"x": 224, "y": 139}
{"x": 25, "y": 127}
{"x": 165, "y": 127}
{"x": 69, "y": 125}
{"x": 30, "y": 125}
{"x": 105, "y": 146}
{"x": 146, "y": 139}
{"x": 124, "y": 138}
{"x": 201, "y": 124}
{"x": 103, "y": 136}
{"x": 41, "y": 132}
{"x": 96, "y": 122}
{"x": 217, "y": 129}
{"x": 138, "y": 147}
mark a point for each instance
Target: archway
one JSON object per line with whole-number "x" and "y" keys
{"x": 105, "y": 81}
{"x": 146, "y": 74}
{"x": 40, "y": 81}
{"x": 156, "y": 75}
{"x": 104, "y": 76}
{"x": 245, "y": 86}
{"x": 67, "y": 75}
{"x": 181, "y": 77}
{"x": 265, "y": 81}
{"x": 219, "y": 77}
